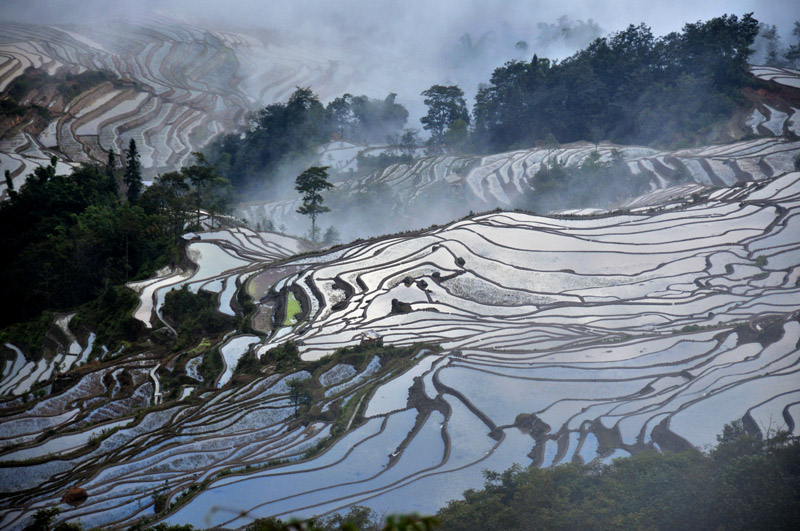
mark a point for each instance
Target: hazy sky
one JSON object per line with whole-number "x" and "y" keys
{"x": 413, "y": 43}
{"x": 421, "y": 19}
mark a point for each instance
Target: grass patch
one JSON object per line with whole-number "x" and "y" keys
{"x": 212, "y": 366}
{"x": 293, "y": 309}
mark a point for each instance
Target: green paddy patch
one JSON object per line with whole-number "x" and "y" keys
{"x": 293, "y": 309}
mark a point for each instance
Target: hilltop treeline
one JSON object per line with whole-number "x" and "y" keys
{"x": 629, "y": 87}
{"x": 281, "y": 136}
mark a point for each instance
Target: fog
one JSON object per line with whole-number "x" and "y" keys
{"x": 407, "y": 46}
{"x": 404, "y": 46}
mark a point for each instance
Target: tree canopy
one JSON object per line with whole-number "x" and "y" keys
{"x": 282, "y": 136}
{"x": 311, "y": 183}
{"x": 445, "y": 105}
{"x": 73, "y": 238}
{"x": 629, "y": 87}
{"x": 744, "y": 483}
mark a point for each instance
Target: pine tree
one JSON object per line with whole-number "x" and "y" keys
{"x": 111, "y": 162}
{"x": 310, "y": 183}
{"x": 133, "y": 172}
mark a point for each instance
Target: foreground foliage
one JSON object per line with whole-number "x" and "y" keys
{"x": 744, "y": 483}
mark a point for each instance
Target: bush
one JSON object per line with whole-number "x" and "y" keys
{"x": 194, "y": 314}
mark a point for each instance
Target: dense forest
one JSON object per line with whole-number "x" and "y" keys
{"x": 629, "y": 87}
{"x": 281, "y": 136}
{"x": 77, "y": 236}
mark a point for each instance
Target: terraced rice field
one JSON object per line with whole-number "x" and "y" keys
{"x": 180, "y": 85}
{"x": 783, "y": 76}
{"x": 577, "y": 338}
{"x": 483, "y": 183}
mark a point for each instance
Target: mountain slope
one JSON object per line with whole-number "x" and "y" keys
{"x": 438, "y": 189}
{"x": 564, "y": 339}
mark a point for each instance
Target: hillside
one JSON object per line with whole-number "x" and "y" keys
{"x": 599, "y": 259}
{"x": 440, "y": 188}
{"x": 563, "y": 339}
{"x": 177, "y": 86}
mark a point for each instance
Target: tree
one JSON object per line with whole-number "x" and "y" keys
{"x": 340, "y": 115}
{"x": 43, "y": 520}
{"x": 310, "y": 183}
{"x": 445, "y": 105}
{"x": 457, "y": 135}
{"x": 111, "y": 163}
{"x": 299, "y": 394}
{"x": 377, "y": 119}
{"x": 210, "y": 190}
{"x": 331, "y": 236}
{"x": 169, "y": 198}
{"x": 133, "y": 172}
{"x": 792, "y": 55}
{"x": 10, "y": 184}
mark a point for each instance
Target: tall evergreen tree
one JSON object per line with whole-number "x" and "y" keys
{"x": 133, "y": 172}
{"x": 10, "y": 184}
{"x": 111, "y": 163}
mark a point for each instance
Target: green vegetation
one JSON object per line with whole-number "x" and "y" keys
{"x": 194, "y": 314}
{"x": 133, "y": 172}
{"x": 282, "y": 136}
{"x": 293, "y": 309}
{"x": 43, "y": 520}
{"x": 248, "y": 364}
{"x": 356, "y": 518}
{"x": 310, "y": 184}
{"x": 446, "y": 110}
{"x": 370, "y": 163}
{"x": 556, "y": 186}
{"x": 212, "y": 365}
{"x": 110, "y": 316}
{"x": 284, "y": 356}
{"x": 629, "y": 87}
{"x": 744, "y": 483}
{"x": 29, "y": 335}
{"x": 9, "y": 107}
{"x": 68, "y": 85}
{"x": 71, "y": 238}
